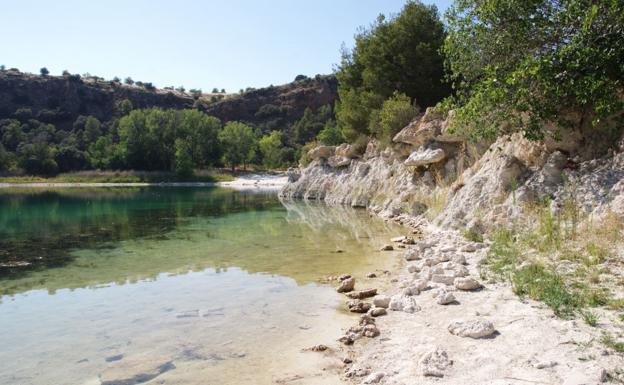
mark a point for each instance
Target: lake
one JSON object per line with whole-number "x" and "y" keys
{"x": 175, "y": 285}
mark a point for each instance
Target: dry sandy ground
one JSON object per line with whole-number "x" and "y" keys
{"x": 530, "y": 345}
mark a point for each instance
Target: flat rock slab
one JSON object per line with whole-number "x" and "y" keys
{"x": 472, "y": 328}
{"x": 135, "y": 370}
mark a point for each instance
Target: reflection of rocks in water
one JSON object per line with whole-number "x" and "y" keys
{"x": 348, "y": 222}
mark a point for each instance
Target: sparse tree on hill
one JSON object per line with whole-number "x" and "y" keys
{"x": 44, "y": 71}
{"x": 129, "y": 81}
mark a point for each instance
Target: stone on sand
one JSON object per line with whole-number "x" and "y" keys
{"x": 472, "y": 328}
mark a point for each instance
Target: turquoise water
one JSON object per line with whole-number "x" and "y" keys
{"x": 101, "y": 283}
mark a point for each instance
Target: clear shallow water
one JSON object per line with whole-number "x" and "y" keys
{"x": 222, "y": 284}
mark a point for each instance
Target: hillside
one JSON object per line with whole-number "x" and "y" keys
{"x": 61, "y": 99}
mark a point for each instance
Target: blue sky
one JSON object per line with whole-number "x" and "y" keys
{"x": 228, "y": 44}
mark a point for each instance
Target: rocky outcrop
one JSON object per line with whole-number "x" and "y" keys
{"x": 428, "y": 170}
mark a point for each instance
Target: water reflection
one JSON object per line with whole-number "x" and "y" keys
{"x": 86, "y": 238}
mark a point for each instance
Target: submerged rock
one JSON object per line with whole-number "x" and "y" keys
{"x": 387, "y": 248}
{"x": 135, "y": 371}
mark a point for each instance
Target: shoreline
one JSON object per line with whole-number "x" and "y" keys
{"x": 431, "y": 341}
{"x": 252, "y": 180}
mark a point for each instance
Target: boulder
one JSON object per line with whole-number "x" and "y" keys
{"x": 346, "y": 285}
{"x": 321, "y": 152}
{"x": 423, "y": 157}
{"x": 347, "y": 151}
{"x": 419, "y": 132}
{"x": 472, "y": 328}
{"x": 466, "y": 283}
{"x": 434, "y": 362}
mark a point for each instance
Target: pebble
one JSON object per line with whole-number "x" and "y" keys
{"x": 386, "y": 248}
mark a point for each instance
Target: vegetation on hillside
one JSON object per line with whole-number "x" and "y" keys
{"x": 517, "y": 65}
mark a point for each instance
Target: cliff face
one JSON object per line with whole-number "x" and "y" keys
{"x": 61, "y": 99}
{"x": 428, "y": 172}
{"x": 286, "y": 103}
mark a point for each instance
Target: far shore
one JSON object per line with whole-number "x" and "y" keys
{"x": 251, "y": 180}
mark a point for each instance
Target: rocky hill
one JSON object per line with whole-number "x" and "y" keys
{"x": 61, "y": 99}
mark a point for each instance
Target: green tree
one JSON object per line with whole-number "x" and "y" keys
{"x": 272, "y": 150}
{"x": 183, "y": 158}
{"x": 519, "y": 64}
{"x": 331, "y": 134}
{"x": 238, "y": 141}
{"x": 306, "y": 128}
{"x": 125, "y": 107}
{"x": 397, "y": 54}
{"x": 44, "y": 71}
{"x": 5, "y": 159}
{"x": 92, "y": 130}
